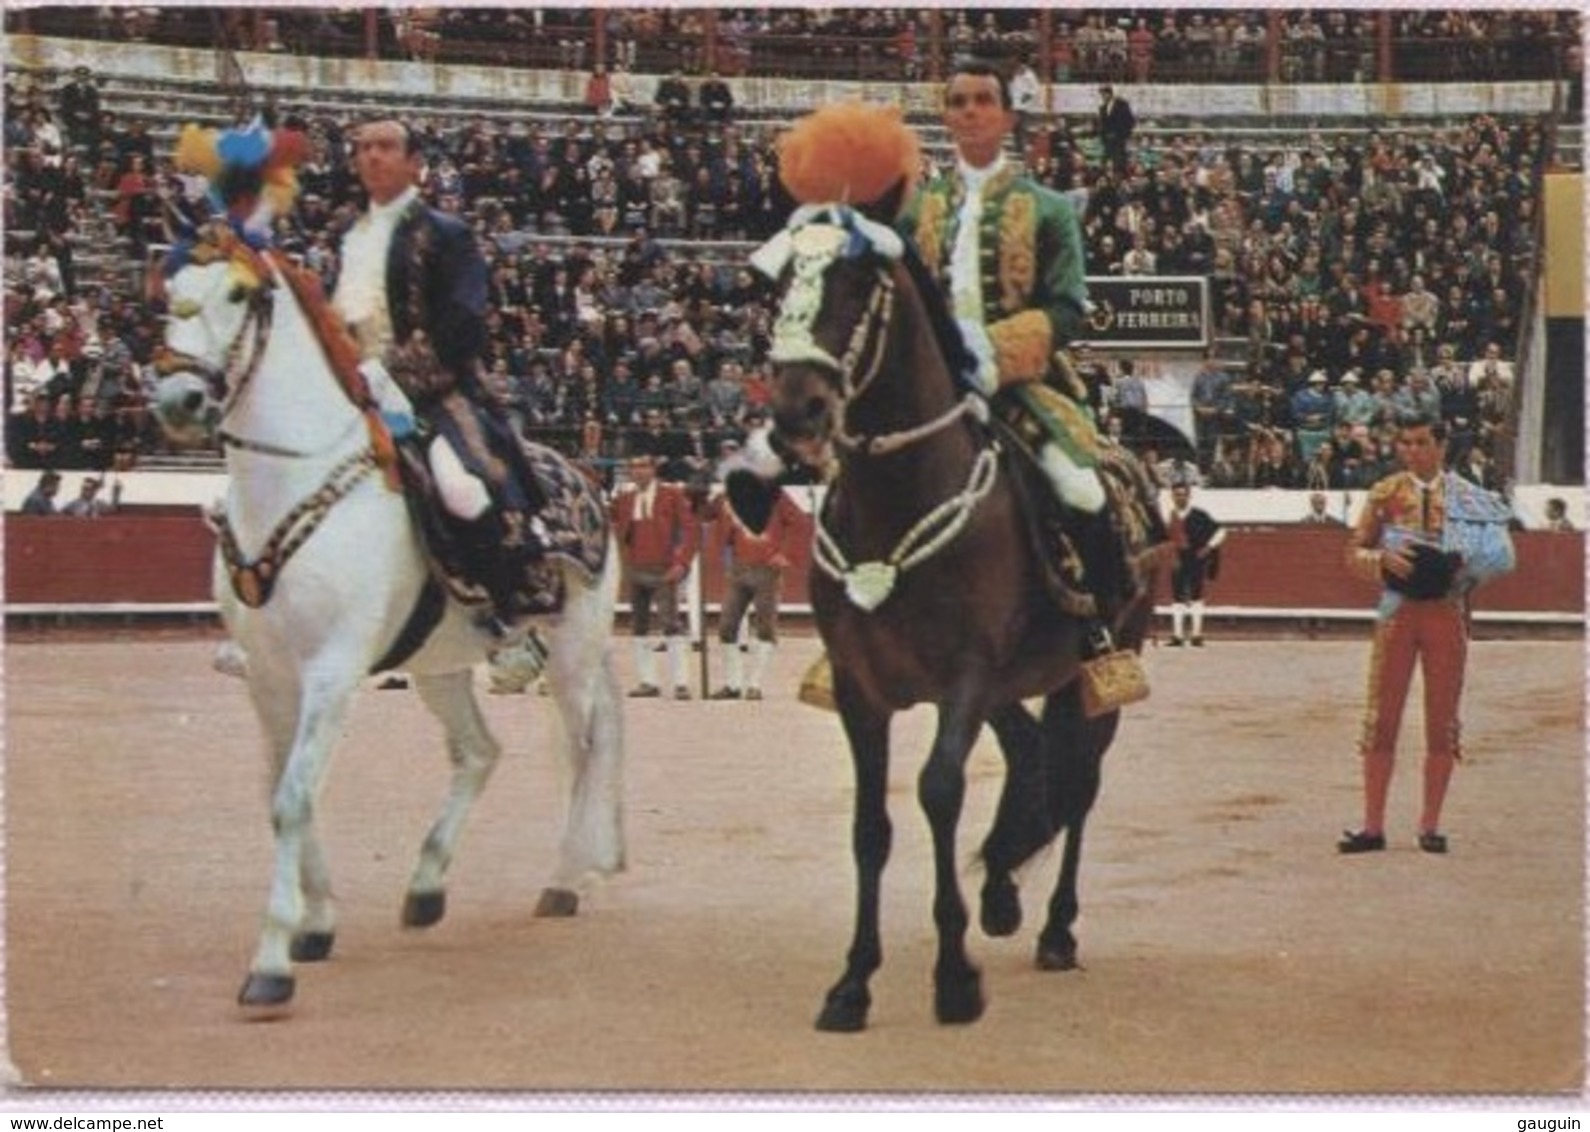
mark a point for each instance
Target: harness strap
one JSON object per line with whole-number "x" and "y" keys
{"x": 254, "y": 580}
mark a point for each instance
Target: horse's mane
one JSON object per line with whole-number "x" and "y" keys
{"x": 957, "y": 358}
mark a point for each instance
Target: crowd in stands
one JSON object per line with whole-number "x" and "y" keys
{"x": 1359, "y": 273}
{"x": 1121, "y": 45}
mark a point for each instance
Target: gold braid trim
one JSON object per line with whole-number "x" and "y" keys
{"x": 1018, "y": 251}
{"x": 1021, "y": 347}
{"x": 929, "y": 229}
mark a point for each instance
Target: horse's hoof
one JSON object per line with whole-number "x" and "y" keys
{"x": 557, "y": 903}
{"x": 844, "y": 1012}
{"x": 961, "y": 1001}
{"x": 312, "y": 947}
{"x": 266, "y": 993}
{"x": 1001, "y": 910}
{"x": 1057, "y": 957}
{"x": 422, "y": 909}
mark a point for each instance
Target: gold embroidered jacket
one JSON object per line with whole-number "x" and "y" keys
{"x": 1032, "y": 259}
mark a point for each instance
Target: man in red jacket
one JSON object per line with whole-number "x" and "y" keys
{"x": 656, "y": 532}
{"x": 754, "y": 568}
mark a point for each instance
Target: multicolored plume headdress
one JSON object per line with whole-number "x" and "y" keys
{"x": 851, "y": 153}
{"x": 252, "y": 172}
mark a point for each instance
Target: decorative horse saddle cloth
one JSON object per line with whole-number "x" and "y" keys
{"x": 1025, "y": 424}
{"x": 572, "y": 526}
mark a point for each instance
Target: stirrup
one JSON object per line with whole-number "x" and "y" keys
{"x": 1112, "y": 680}
{"x": 817, "y": 685}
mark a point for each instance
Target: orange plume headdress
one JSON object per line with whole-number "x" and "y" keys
{"x": 851, "y": 153}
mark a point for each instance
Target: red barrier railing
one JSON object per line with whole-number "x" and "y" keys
{"x": 164, "y": 559}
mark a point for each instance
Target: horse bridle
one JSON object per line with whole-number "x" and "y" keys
{"x": 816, "y": 247}
{"x": 868, "y": 584}
{"x": 254, "y": 578}
{"x": 228, "y": 381}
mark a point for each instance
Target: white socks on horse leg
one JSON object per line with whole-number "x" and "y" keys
{"x": 676, "y": 662}
{"x": 761, "y": 655}
{"x": 645, "y": 662}
{"x": 462, "y": 494}
{"x": 1178, "y": 621}
{"x": 1077, "y": 486}
{"x": 733, "y": 666}
{"x": 1197, "y": 619}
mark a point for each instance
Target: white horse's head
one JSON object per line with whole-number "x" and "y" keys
{"x": 217, "y": 292}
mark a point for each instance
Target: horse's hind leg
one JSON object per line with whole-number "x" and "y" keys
{"x": 1022, "y": 825}
{"x": 871, "y": 836}
{"x": 1077, "y": 745}
{"x": 587, "y": 692}
{"x": 316, "y": 933}
{"x": 473, "y": 753}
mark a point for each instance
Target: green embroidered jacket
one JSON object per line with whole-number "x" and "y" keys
{"x": 1030, "y": 247}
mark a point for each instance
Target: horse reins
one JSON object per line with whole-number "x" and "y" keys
{"x": 868, "y": 584}
{"x": 253, "y": 580}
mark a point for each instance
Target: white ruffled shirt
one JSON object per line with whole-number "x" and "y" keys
{"x": 966, "y": 275}
{"x": 360, "y": 297}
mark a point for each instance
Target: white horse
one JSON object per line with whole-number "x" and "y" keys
{"x": 319, "y": 571}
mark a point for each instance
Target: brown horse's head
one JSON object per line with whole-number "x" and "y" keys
{"x": 832, "y": 323}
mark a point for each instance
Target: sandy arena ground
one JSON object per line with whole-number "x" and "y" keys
{"x": 1227, "y": 947}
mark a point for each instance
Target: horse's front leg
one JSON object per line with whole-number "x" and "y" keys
{"x": 871, "y": 836}
{"x": 473, "y": 753}
{"x": 322, "y": 710}
{"x": 941, "y": 789}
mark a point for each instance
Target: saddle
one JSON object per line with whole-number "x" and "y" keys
{"x": 1055, "y": 531}
{"x": 572, "y": 522}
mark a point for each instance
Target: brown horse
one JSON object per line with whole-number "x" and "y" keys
{"x": 928, "y": 589}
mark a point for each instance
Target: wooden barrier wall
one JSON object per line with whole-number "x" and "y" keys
{"x": 160, "y": 557}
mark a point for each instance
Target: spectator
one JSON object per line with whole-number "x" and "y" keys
{"x": 716, "y": 99}
{"x": 1026, "y": 98}
{"x": 1318, "y": 513}
{"x": 673, "y": 99}
{"x": 1213, "y": 414}
{"x": 1491, "y": 365}
{"x": 621, "y": 89}
{"x": 80, "y": 109}
{"x": 599, "y": 92}
{"x": 88, "y": 504}
{"x": 1557, "y": 515}
{"x": 755, "y": 554}
{"x": 1115, "y": 125}
{"x": 1353, "y": 403}
{"x": 1313, "y": 412}
{"x": 41, "y": 500}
